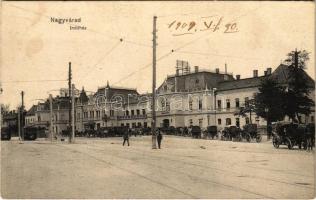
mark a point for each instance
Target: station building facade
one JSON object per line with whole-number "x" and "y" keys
{"x": 201, "y": 98}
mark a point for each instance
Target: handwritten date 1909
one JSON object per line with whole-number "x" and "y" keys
{"x": 181, "y": 28}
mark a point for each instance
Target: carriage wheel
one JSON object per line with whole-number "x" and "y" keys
{"x": 248, "y": 138}
{"x": 289, "y": 143}
{"x": 258, "y": 138}
{"x": 275, "y": 142}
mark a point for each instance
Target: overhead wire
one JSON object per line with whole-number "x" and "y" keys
{"x": 221, "y": 55}
{"x": 100, "y": 60}
{"x": 180, "y": 47}
{"x": 30, "y": 81}
{"x": 127, "y": 40}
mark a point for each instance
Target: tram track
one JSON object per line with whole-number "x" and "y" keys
{"x": 173, "y": 170}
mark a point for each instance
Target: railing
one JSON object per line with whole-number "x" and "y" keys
{"x": 132, "y": 117}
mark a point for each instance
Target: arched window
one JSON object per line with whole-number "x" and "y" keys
{"x": 228, "y": 121}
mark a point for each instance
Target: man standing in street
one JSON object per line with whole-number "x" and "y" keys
{"x": 126, "y": 137}
{"x": 159, "y": 138}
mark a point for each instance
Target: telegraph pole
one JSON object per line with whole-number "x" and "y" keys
{"x": 19, "y": 122}
{"x": 73, "y": 113}
{"x": 22, "y": 117}
{"x": 69, "y": 95}
{"x": 296, "y": 58}
{"x": 153, "y": 127}
{"x": 51, "y": 117}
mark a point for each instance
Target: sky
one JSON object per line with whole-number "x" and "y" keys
{"x": 116, "y": 45}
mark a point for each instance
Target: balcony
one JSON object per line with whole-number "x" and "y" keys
{"x": 132, "y": 117}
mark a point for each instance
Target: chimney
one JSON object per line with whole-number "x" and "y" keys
{"x": 255, "y": 73}
{"x": 238, "y": 77}
{"x": 217, "y": 70}
{"x": 269, "y": 70}
{"x": 265, "y": 73}
{"x": 196, "y": 69}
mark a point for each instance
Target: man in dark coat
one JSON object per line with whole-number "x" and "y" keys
{"x": 126, "y": 137}
{"x": 159, "y": 138}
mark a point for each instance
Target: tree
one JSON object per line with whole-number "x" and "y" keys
{"x": 269, "y": 101}
{"x": 5, "y": 108}
{"x": 297, "y": 97}
{"x": 248, "y": 108}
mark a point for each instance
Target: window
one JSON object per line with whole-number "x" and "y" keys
{"x": 167, "y": 106}
{"x": 237, "y": 102}
{"x": 246, "y": 102}
{"x": 191, "y": 122}
{"x": 145, "y": 124}
{"x": 163, "y": 105}
{"x": 91, "y": 114}
{"x": 144, "y": 111}
{"x": 122, "y": 124}
{"x": 219, "y": 121}
{"x": 139, "y": 124}
{"x": 98, "y": 114}
{"x": 127, "y": 113}
{"x": 219, "y": 104}
{"x": 237, "y": 122}
{"x": 247, "y": 120}
{"x": 134, "y": 125}
{"x": 200, "y": 122}
{"x": 200, "y": 104}
{"x": 190, "y": 104}
{"x": 111, "y": 112}
{"x": 137, "y": 112}
{"x": 228, "y": 103}
{"x": 228, "y": 121}
{"x": 132, "y": 112}
{"x": 127, "y": 124}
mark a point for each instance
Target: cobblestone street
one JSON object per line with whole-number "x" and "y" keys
{"x": 183, "y": 168}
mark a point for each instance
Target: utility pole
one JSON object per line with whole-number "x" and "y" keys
{"x": 73, "y": 113}
{"x": 69, "y": 95}
{"x": 51, "y": 117}
{"x": 296, "y": 58}
{"x": 153, "y": 127}
{"x": 22, "y": 117}
{"x": 19, "y": 122}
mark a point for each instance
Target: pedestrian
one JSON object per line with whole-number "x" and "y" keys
{"x": 309, "y": 138}
{"x": 269, "y": 130}
{"x": 126, "y": 137}
{"x": 159, "y": 138}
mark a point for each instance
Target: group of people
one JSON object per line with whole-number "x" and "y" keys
{"x": 128, "y": 133}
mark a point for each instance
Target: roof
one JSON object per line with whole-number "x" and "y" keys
{"x": 241, "y": 83}
{"x": 282, "y": 75}
{"x": 31, "y": 111}
{"x": 112, "y": 91}
{"x": 195, "y": 81}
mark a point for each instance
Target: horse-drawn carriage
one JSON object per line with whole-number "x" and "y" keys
{"x": 195, "y": 131}
{"x": 211, "y": 132}
{"x": 248, "y": 133}
{"x": 32, "y": 133}
{"x": 231, "y": 133}
{"x": 292, "y": 134}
